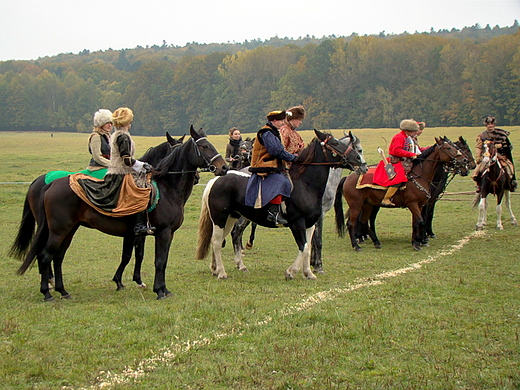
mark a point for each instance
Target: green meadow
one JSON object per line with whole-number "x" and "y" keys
{"x": 445, "y": 317}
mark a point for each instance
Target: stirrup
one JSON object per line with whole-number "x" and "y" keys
{"x": 143, "y": 230}
{"x": 276, "y": 218}
{"x": 387, "y": 202}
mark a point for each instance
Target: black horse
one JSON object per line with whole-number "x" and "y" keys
{"x": 328, "y": 200}
{"x": 494, "y": 181}
{"x": 224, "y": 201}
{"x": 64, "y": 212}
{"x": 31, "y": 211}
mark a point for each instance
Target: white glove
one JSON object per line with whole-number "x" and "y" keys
{"x": 140, "y": 167}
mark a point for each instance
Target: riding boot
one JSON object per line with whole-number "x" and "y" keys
{"x": 142, "y": 226}
{"x": 274, "y": 214}
{"x": 478, "y": 186}
{"x": 388, "y": 196}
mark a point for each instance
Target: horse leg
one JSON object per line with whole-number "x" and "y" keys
{"x": 58, "y": 261}
{"x": 352, "y": 222}
{"x": 370, "y": 226}
{"x": 417, "y": 225}
{"x": 317, "y": 246}
{"x": 507, "y": 201}
{"x": 237, "y": 232}
{"x": 217, "y": 266}
{"x": 163, "y": 240}
{"x": 249, "y": 243}
{"x": 128, "y": 245}
{"x": 303, "y": 238}
{"x": 499, "y": 212}
{"x": 139, "y": 243}
{"x": 482, "y": 213}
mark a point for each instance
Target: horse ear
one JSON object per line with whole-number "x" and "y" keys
{"x": 181, "y": 140}
{"x": 321, "y": 136}
{"x": 170, "y": 140}
{"x": 193, "y": 133}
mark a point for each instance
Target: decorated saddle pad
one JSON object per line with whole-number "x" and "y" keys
{"x": 116, "y": 196}
{"x": 367, "y": 180}
{"x": 53, "y": 175}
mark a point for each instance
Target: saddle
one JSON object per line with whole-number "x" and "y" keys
{"x": 116, "y": 196}
{"x": 367, "y": 181}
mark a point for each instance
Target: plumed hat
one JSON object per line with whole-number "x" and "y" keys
{"x": 122, "y": 117}
{"x": 490, "y": 119}
{"x": 297, "y": 112}
{"x": 276, "y": 115}
{"x": 102, "y": 117}
{"x": 409, "y": 125}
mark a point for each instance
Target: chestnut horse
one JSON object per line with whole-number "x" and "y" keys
{"x": 413, "y": 195}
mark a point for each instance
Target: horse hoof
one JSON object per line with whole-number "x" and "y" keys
{"x": 48, "y": 299}
{"x": 378, "y": 246}
{"x": 243, "y": 269}
{"x": 223, "y": 276}
{"x": 288, "y": 276}
{"x": 66, "y": 296}
{"x": 417, "y": 248}
{"x": 142, "y": 285}
{"x": 249, "y": 245}
{"x": 358, "y": 249}
{"x": 425, "y": 245}
{"x": 119, "y": 288}
{"x": 319, "y": 271}
{"x": 311, "y": 277}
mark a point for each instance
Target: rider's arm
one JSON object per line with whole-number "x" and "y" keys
{"x": 125, "y": 149}
{"x": 275, "y": 148}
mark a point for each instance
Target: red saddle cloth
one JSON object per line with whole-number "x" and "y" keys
{"x": 367, "y": 180}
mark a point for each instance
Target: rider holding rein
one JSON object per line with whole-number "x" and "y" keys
{"x": 122, "y": 161}
{"x": 503, "y": 146}
{"x": 401, "y": 149}
{"x": 268, "y": 184}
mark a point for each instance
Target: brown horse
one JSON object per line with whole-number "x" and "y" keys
{"x": 64, "y": 212}
{"x": 413, "y": 195}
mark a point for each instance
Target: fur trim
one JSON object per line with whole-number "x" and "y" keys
{"x": 409, "y": 125}
{"x": 297, "y": 112}
{"x": 276, "y": 115}
{"x": 122, "y": 117}
{"x": 102, "y": 117}
{"x": 490, "y": 119}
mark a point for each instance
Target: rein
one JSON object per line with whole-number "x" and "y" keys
{"x": 324, "y": 146}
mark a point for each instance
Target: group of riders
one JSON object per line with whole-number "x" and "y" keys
{"x": 275, "y": 147}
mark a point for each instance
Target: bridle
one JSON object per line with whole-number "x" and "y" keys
{"x": 210, "y": 167}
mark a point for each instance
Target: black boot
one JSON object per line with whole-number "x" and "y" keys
{"x": 274, "y": 214}
{"x": 142, "y": 226}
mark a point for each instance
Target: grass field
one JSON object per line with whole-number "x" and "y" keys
{"x": 446, "y": 317}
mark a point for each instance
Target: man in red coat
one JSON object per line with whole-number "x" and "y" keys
{"x": 401, "y": 148}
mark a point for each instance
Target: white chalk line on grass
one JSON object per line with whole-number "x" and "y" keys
{"x": 107, "y": 379}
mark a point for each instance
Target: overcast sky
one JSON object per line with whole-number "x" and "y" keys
{"x": 37, "y": 28}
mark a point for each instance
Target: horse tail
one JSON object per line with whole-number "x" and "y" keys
{"x": 205, "y": 224}
{"x": 338, "y": 208}
{"x": 25, "y": 232}
{"x": 38, "y": 243}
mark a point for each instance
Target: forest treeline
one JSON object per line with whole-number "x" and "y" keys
{"x": 444, "y": 78}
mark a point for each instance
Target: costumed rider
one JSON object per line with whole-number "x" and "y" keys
{"x": 269, "y": 184}
{"x": 402, "y": 151}
{"x": 122, "y": 162}
{"x": 99, "y": 141}
{"x": 503, "y": 146}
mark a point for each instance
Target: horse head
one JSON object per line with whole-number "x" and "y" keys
{"x": 466, "y": 151}
{"x": 450, "y": 152}
{"x": 489, "y": 153}
{"x": 209, "y": 158}
{"x": 346, "y": 153}
{"x": 245, "y": 149}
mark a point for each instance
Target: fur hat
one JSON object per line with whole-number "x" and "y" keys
{"x": 102, "y": 117}
{"x": 409, "y": 125}
{"x": 422, "y": 125}
{"x": 297, "y": 112}
{"x": 276, "y": 115}
{"x": 122, "y": 117}
{"x": 490, "y": 119}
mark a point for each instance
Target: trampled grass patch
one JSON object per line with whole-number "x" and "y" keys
{"x": 449, "y": 318}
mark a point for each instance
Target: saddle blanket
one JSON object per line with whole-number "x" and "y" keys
{"x": 126, "y": 198}
{"x": 367, "y": 180}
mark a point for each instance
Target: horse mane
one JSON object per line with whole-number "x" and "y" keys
{"x": 306, "y": 156}
{"x": 424, "y": 155}
{"x": 163, "y": 166}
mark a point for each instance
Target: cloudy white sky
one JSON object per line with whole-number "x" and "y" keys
{"x": 36, "y": 28}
